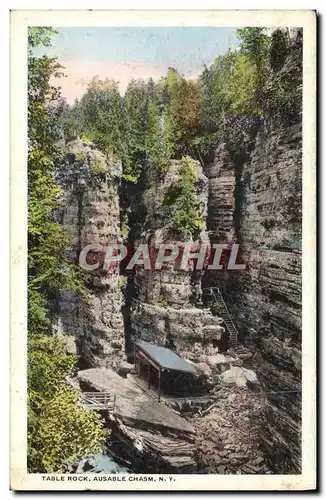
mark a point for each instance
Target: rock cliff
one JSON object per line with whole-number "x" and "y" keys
{"x": 167, "y": 307}
{"x": 250, "y": 194}
{"x": 90, "y": 214}
{"x": 258, "y": 188}
{"x": 166, "y": 439}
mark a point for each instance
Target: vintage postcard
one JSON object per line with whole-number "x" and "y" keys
{"x": 162, "y": 250}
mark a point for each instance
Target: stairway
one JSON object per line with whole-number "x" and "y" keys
{"x": 223, "y": 311}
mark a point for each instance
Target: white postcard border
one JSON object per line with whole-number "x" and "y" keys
{"x": 20, "y": 20}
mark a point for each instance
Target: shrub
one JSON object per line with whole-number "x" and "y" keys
{"x": 185, "y": 214}
{"x": 98, "y": 167}
{"x": 58, "y": 430}
{"x": 81, "y": 156}
{"x": 123, "y": 280}
{"x": 63, "y": 432}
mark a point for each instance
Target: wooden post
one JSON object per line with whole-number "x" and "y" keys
{"x": 159, "y": 384}
{"x": 149, "y": 375}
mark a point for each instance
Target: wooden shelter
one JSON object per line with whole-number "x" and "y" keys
{"x": 161, "y": 358}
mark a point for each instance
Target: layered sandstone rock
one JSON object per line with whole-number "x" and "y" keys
{"x": 221, "y": 199}
{"x": 90, "y": 215}
{"x": 143, "y": 429}
{"x": 184, "y": 326}
{"x": 167, "y": 306}
{"x": 265, "y": 299}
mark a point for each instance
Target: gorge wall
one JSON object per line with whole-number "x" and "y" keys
{"x": 91, "y": 215}
{"x": 255, "y": 195}
{"x": 167, "y": 307}
{"x": 250, "y": 194}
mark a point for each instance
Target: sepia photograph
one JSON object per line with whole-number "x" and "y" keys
{"x": 166, "y": 185}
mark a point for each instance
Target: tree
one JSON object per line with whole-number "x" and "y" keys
{"x": 213, "y": 84}
{"x": 206, "y": 101}
{"x": 48, "y": 267}
{"x": 240, "y": 91}
{"x": 66, "y": 431}
{"x": 188, "y": 120}
{"x": 181, "y": 113}
{"x": 70, "y": 119}
{"x": 185, "y": 214}
{"x": 155, "y": 147}
{"x": 232, "y": 91}
{"x": 101, "y": 110}
{"x": 136, "y": 121}
{"x": 50, "y": 402}
{"x": 279, "y": 49}
{"x": 256, "y": 44}
{"x": 58, "y": 430}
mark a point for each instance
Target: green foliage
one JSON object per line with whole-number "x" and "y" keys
{"x": 228, "y": 89}
{"x": 100, "y": 115}
{"x": 256, "y": 45}
{"x": 124, "y": 225}
{"x": 38, "y": 320}
{"x": 123, "y": 280}
{"x": 72, "y": 121}
{"x": 57, "y": 429}
{"x": 86, "y": 139}
{"x": 233, "y": 89}
{"x": 81, "y": 156}
{"x": 214, "y": 103}
{"x": 40, "y": 36}
{"x": 151, "y": 123}
{"x": 240, "y": 91}
{"x": 185, "y": 215}
{"x": 63, "y": 431}
{"x": 203, "y": 145}
{"x": 176, "y": 117}
{"x": 181, "y": 114}
{"x": 46, "y": 239}
{"x": 185, "y": 116}
{"x": 116, "y": 125}
{"x": 279, "y": 49}
{"x": 173, "y": 80}
{"x": 154, "y": 139}
{"x": 98, "y": 167}
{"x": 48, "y": 364}
{"x": 136, "y": 113}
{"x": 283, "y": 92}
{"x": 162, "y": 301}
{"x": 130, "y": 177}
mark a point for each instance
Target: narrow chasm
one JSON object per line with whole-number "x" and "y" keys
{"x": 193, "y": 368}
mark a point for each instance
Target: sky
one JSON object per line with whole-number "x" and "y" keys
{"x": 125, "y": 53}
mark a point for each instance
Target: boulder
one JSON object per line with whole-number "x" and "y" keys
{"x": 204, "y": 369}
{"x": 240, "y": 377}
{"x": 218, "y": 359}
{"x": 124, "y": 368}
{"x": 234, "y": 376}
{"x": 250, "y": 376}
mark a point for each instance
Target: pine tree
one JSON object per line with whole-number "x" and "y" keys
{"x": 50, "y": 402}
